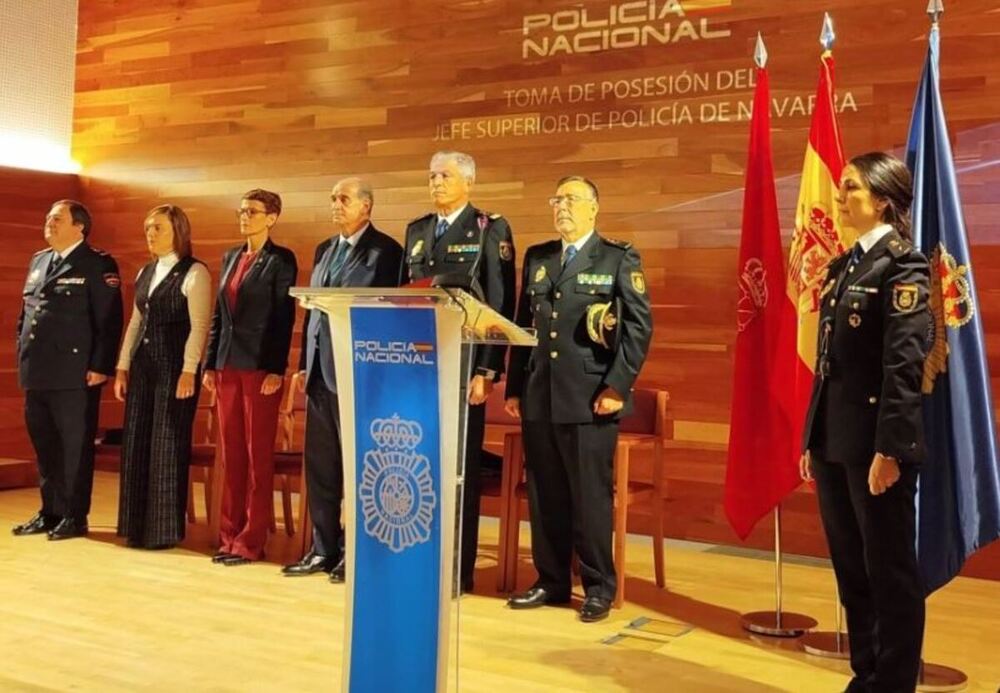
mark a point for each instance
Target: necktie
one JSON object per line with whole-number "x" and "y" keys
{"x": 53, "y": 264}
{"x": 857, "y": 252}
{"x": 442, "y": 226}
{"x": 569, "y": 254}
{"x": 337, "y": 261}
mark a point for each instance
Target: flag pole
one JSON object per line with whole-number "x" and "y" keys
{"x": 778, "y": 623}
{"x": 938, "y": 678}
{"x": 825, "y": 643}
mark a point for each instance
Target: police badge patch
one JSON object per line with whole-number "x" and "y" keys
{"x": 418, "y": 247}
{"x": 396, "y": 489}
{"x": 904, "y": 297}
{"x": 540, "y": 274}
{"x": 506, "y": 251}
{"x": 639, "y": 282}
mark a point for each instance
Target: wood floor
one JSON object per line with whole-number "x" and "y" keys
{"x": 91, "y": 615}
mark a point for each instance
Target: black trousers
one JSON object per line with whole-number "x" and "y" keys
{"x": 872, "y": 544}
{"x": 570, "y": 486}
{"x": 62, "y": 425}
{"x": 324, "y": 467}
{"x": 474, "y": 433}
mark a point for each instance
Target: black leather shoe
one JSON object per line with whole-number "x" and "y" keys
{"x": 594, "y": 609}
{"x": 536, "y": 597}
{"x": 36, "y": 525}
{"x": 339, "y": 572}
{"x": 232, "y": 559}
{"x": 221, "y": 556}
{"x": 68, "y": 529}
{"x": 311, "y": 563}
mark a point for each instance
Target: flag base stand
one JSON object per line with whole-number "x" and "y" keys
{"x": 937, "y": 678}
{"x": 827, "y": 643}
{"x": 776, "y": 624}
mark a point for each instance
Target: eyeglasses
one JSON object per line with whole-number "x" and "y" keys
{"x": 247, "y": 212}
{"x": 570, "y": 200}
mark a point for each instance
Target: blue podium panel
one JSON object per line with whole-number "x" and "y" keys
{"x": 397, "y": 627}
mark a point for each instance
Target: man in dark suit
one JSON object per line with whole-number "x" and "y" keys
{"x": 459, "y": 239}
{"x": 358, "y": 255}
{"x": 586, "y": 296}
{"x": 67, "y": 343}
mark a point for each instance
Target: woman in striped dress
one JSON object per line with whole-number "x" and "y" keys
{"x": 158, "y": 380}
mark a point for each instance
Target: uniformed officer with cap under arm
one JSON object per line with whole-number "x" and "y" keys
{"x": 459, "y": 239}
{"x": 67, "y": 342}
{"x": 586, "y": 295}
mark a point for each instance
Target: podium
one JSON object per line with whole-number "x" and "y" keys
{"x": 402, "y": 359}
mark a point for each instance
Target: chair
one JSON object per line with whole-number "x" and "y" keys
{"x": 647, "y": 427}
{"x": 203, "y": 454}
{"x": 289, "y": 464}
{"x": 499, "y": 424}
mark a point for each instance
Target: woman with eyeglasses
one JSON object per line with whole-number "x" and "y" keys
{"x": 157, "y": 378}
{"x": 247, "y": 356}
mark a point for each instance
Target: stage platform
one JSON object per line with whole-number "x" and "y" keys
{"x": 91, "y": 615}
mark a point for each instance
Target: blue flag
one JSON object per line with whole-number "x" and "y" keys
{"x": 958, "y": 501}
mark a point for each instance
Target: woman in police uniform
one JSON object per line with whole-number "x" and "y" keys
{"x": 863, "y": 437}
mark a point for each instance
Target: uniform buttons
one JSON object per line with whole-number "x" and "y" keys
{"x": 555, "y": 315}
{"x": 833, "y": 302}
{"x": 32, "y": 335}
{"x": 872, "y": 400}
{"x": 850, "y": 270}
{"x": 855, "y": 305}
{"x": 145, "y": 340}
{"x": 593, "y": 291}
{"x": 34, "y": 322}
{"x": 553, "y": 335}
{"x": 558, "y": 294}
{"x": 461, "y": 259}
{"x": 431, "y": 263}
{"x": 75, "y": 350}
{"x": 41, "y": 295}
{"x": 554, "y": 354}
{"x": 69, "y": 293}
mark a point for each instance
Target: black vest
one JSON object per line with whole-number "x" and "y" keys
{"x": 166, "y": 322}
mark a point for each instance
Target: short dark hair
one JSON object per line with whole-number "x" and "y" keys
{"x": 271, "y": 200}
{"x": 181, "y": 225}
{"x": 890, "y": 181}
{"x": 580, "y": 179}
{"x": 79, "y": 213}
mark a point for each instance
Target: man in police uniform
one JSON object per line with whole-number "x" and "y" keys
{"x": 357, "y": 255}
{"x": 67, "y": 343}
{"x": 459, "y": 239}
{"x": 586, "y": 296}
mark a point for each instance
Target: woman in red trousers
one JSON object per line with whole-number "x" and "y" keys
{"x": 245, "y": 364}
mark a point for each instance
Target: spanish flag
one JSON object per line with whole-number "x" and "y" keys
{"x": 816, "y": 241}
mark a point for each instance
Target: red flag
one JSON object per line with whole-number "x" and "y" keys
{"x": 761, "y": 469}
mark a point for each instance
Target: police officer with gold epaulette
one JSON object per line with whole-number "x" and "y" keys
{"x": 863, "y": 439}
{"x": 586, "y": 295}
{"x": 459, "y": 239}
{"x": 67, "y": 343}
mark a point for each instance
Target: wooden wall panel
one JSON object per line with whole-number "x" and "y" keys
{"x": 196, "y": 101}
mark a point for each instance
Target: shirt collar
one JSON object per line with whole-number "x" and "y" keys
{"x": 167, "y": 261}
{"x": 579, "y": 242}
{"x": 873, "y": 236}
{"x": 353, "y": 239}
{"x": 66, "y": 253}
{"x": 454, "y": 215}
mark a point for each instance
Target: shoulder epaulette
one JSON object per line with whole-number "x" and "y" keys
{"x": 898, "y": 247}
{"x": 624, "y": 245}
{"x": 421, "y": 218}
